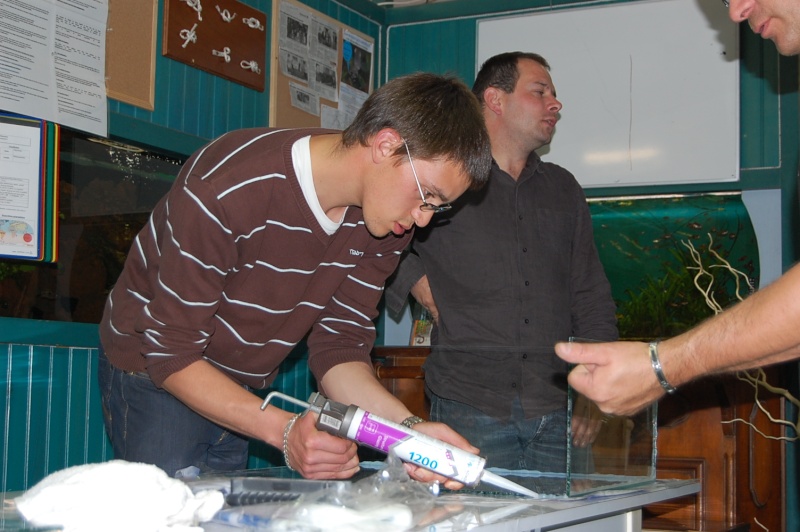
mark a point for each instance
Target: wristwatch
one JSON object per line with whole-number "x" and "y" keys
{"x": 410, "y": 421}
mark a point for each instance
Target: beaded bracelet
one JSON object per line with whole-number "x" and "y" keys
{"x": 289, "y": 426}
{"x": 656, "y": 363}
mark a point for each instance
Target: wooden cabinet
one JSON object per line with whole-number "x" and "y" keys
{"x": 400, "y": 371}
{"x": 742, "y": 471}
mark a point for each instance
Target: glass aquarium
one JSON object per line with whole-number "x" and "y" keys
{"x": 107, "y": 191}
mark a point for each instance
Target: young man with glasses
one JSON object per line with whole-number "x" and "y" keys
{"x": 506, "y": 273}
{"x": 624, "y": 377}
{"x": 269, "y": 236}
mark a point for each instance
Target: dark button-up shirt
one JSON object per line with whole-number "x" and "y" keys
{"x": 513, "y": 269}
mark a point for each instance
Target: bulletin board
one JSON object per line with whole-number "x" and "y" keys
{"x": 650, "y": 88}
{"x": 131, "y": 52}
{"x": 321, "y": 70}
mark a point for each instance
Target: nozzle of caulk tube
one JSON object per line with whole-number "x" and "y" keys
{"x": 502, "y": 482}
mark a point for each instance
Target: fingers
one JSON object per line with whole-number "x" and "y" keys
{"x": 444, "y": 433}
{"x": 584, "y": 353}
{"x": 316, "y": 454}
{"x": 424, "y": 475}
{"x": 585, "y": 431}
{"x": 585, "y": 424}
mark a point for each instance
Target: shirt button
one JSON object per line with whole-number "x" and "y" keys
{"x": 513, "y": 384}
{"x": 527, "y": 283}
{"x": 524, "y": 250}
{"x": 524, "y": 355}
{"x": 527, "y": 320}
{"x": 520, "y": 217}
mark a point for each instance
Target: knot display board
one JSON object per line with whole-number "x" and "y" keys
{"x": 225, "y": 38}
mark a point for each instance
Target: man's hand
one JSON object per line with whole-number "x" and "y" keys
{"x": 422, "y": 293}
{"x": 617, "y": 376}
{"x": 587, "y": 420}
{"x": 442, "y": 432}
{"x": 317, "y": 454}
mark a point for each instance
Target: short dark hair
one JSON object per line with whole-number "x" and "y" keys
{"x": 437, "y": 116}
{"x": 500, "y": 71}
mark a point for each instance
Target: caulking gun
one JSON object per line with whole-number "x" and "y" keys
{"x": 409, "y": 445}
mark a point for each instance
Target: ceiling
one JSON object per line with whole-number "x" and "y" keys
{"x": 407, "y": 3}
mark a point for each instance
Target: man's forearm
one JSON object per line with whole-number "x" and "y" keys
{"x": 210, "y": 393}
{"x": 408, "y": 272}
{"x": 763, "y": 329}
{"x": 355, "y": 383}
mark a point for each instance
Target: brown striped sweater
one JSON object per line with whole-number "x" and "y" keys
{"x": 233, "y": 268}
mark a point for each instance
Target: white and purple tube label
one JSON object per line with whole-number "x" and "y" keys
{"x": 416, "y": 448}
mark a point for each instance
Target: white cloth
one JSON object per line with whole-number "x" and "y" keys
{"x": 117, "y": 495}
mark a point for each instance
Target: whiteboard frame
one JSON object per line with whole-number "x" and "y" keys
{"x": 650, "y": 88}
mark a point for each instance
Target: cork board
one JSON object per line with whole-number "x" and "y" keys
{"x": 226, "y": 38}
{"x": 131, "y": 51}
{"x": 321, "y": 70}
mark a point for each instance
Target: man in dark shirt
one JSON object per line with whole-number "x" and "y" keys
{"x": 508, "y": 272}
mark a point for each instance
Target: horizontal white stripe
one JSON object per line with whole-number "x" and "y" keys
{"x": 249, "y": 182}
{"x": 191, "y": 257}
{"x": 350, "y": 322}
{"x": 329, "y": 329}
{"x": 290, "y": 227}
{"x": 237, "y": 150}
{"x": 271, "y": 310}
{"x": 359, "y": 281}
{"x": 206, "y": 211}
{"x": 184, "y": 301}
{"x": 232, "y": 370}
{"x": 256, "y": 344}
{"x": 351, "y": 309}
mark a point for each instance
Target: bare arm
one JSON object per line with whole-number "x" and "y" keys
{"x": 213, "y": 395}
{"x": 764, "y": 329}
{"x": 422, "y": 293}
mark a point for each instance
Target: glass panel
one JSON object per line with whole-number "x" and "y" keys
{"x": 106, "y": 193}
{"x": 622, "y": 455}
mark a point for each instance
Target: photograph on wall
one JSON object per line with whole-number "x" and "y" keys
{"x": 295, "y": 25}
{"x": 304, "y": 99}
{"x": 357, "y": 62}
{"x": 293, "y": 66}
{"x": 324, "y": 81}
{"x": 324, "y": 41}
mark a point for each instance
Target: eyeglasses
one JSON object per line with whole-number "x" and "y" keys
{"x": 429, "y": 207}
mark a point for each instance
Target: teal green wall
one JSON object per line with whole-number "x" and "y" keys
{"x": 193, "y": 107}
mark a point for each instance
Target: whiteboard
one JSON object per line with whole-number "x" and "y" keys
{"x": 650, "y": 89}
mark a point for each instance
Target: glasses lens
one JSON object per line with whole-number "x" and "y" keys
{"x": 435, "y": 208}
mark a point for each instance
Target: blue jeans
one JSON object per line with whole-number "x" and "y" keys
{"x": 538, "y": 444}
{"x": 148, "y": 424}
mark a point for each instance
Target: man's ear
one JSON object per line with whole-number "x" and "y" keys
{"x": 493, "y": 99}
{"x": 385, "y": 143}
